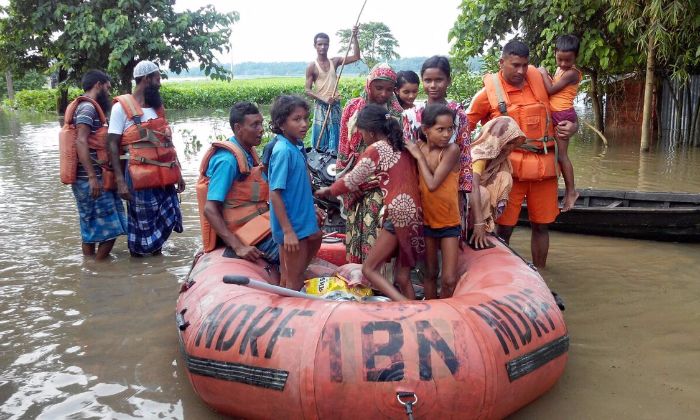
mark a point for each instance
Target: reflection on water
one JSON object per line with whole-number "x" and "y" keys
{"x": 98, "y": 340}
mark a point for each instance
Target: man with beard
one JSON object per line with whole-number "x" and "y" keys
{"x": 139, "y": 134}
{"x": 102, "y": 216}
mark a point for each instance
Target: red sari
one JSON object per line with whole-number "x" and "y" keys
{"x": 397, "y": 176}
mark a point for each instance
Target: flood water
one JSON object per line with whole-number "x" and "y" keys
{"x": 82, "y": 339}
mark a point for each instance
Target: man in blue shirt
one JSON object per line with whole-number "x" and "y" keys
{"x": 224, "y": 173}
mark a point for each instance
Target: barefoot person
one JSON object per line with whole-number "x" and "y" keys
{"x": 102, "y": 216}
{"x": 387, "y": 160}
{"x": 518, "y": 91}
{"x": 148, "y": 178}
{"x": 438, "y": 165}
{"x": 436, "y": 74}
{"x": 363, "y": 209}
{"x": 321, "y": 82}
{"x": 562, "y": 90}
{"x": 295, "y": 227}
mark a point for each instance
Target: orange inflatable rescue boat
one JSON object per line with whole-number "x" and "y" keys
{"x": 496, "y": 345}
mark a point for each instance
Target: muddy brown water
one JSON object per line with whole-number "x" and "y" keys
{"x": 98, "y": 340}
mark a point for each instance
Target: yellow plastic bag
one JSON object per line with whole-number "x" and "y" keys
{"x": 319, "y": 286}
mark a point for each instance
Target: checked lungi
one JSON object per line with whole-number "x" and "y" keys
{"x": 331, "y": 133}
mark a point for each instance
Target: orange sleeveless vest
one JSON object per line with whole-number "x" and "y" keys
{"x": 564, "y": 99}
{"x": 441, "y": 206}
{"x": 152, "y": 156}
{"x": 246, "y": 211}
{"x": 68, "y": 161}
{"x": 533, "y": 160}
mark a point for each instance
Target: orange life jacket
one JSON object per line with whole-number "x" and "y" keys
{"x": 67, "y": 137}
{"x": 246, "y": 211}
{"x": 536, "y": 159}
{"x": 152, "y": 156}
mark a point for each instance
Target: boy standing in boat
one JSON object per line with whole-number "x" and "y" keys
{"x": 518, "y": 91}
{"x": 320, "y": 86}
{"x": 232, "y": 193}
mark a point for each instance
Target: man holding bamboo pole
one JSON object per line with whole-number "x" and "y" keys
{"x": 321, "y": 86}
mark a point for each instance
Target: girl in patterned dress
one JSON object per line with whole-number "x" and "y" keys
{"x": 386, "y": 160}
{"x": 436, "y": 77}
{"x": 363, "y": 206}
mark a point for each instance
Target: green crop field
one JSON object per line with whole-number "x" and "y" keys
{"x": 198, "y": 94}
{"x": 213, "y": 94}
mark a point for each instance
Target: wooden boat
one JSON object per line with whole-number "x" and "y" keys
{"x": 660, "y": 216}
{"x": 499, "y": 343}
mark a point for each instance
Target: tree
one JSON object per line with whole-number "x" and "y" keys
{"x": 19, "y": 48}
{"x": 116, "y": 34}
{"x": 483, "y": 25}
{"x": 376, "y": 43}
{"x": 668, "y": 31}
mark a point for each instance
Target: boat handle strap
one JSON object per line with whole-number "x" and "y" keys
{"x": 404, "y": 399}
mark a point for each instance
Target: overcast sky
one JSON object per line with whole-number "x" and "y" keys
{"x": 283, "y": 30}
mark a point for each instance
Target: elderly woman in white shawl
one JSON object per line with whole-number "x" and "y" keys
{"x": 492, "y": 171}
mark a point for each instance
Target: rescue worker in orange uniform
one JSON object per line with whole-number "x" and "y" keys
{"x": 149, "y": 177}
{"x": 233, "y": 194}
{"x": 518, "y": 91}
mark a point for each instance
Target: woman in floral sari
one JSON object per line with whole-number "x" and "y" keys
{"x": 363, "y": 205}
{"x": 492, "y": 180}
{"x": 386, "y": 160}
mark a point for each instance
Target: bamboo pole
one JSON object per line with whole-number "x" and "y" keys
{"x": 337, "y": 79}
{"x": 648, "y": 92}
{"x": 602, "y": 137}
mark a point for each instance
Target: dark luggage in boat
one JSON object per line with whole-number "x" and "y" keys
{"x": 660, "y": 216}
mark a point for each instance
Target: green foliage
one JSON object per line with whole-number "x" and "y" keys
{"x": 614, "y": 34}
{"x": 115, "y": 34}
{"x": 20, "y": 45}
{"x": 42, "y": 100}
{"x": 671, "y": 28}
{"x": 221, "y": 95}
{"x": 30, "y": 80}
{"x": 200, "y": 94}
{"x": 484, "y": 25}
{"x": 464, "y": 86}
{"x": 377, "y": 43}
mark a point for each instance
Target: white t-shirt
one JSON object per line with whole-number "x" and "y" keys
{"x": 118, "y": 121}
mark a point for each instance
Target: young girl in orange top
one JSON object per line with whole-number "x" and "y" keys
{"x": 438, "y": 165}
{"x": 562, "y": 92}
